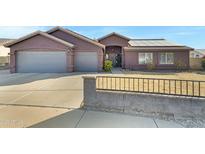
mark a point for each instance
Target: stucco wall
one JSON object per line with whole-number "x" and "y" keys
{"x": 4, "y": 55}
{"x": 4, "y": 60}
{"x": 131, "y": 60}
{"x": 4, "y": 51}
{"x": 81, "y": 45}
{"x": 36, "y": 43}
{"x": 141, "y": 103}
{"x": 182, "y": 57}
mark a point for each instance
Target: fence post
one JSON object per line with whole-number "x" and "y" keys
{"x": 89, "y": 89}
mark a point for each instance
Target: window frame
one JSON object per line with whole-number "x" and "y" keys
{"x": 145, "y": 58}
{"x": 166, "y": 58}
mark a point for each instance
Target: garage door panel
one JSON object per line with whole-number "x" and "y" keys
{"x": 86, "y": 61}
{"x": 41, "y": 62}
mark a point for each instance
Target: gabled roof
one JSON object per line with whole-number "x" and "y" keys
{"x": 39, "y": 33}
{"x": 116, "y": 34}
{"x": 76, "y": 35}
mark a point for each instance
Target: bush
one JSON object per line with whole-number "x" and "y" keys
{"x": 150, "y": 66}
{"x": 180, "y": 65}
{"x": 108, "y": 65}
{"x": 203, "y": 63}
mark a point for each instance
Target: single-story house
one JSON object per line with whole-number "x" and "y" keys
{"x": 61, "y": 50}
{"x": 196, "y": 57}
{"x": 197, "y": 53}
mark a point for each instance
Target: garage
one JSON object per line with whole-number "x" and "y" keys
{"x": 55, "y": 51}
{"x": 41, "y": 62}
{"x": 86, "y": 61}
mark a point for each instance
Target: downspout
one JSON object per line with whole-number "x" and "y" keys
{"x": 104, "y": 57}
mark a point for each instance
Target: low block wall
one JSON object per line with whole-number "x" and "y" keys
{"x": 142, "y": 103}
{"x": 4, "y": 60}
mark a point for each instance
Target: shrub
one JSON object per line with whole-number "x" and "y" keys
{"x": 108, "y": 65}
{"x": 180, "y": 65}
{"x": 203, "y": 63}
{"x": 150, "y": 66}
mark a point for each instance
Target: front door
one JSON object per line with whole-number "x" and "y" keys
{"x": 118, "y": 60}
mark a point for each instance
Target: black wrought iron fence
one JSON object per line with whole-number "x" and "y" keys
{"x": 190, "y": 88}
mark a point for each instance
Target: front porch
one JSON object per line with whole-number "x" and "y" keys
{"x": 114, "y": 53}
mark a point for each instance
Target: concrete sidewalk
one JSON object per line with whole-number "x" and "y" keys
{"x": 94, "y": 119}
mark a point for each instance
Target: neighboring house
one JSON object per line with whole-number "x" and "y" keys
{"x": 196, "y": 57}
{"x": 4, "y": 52}
{"x": 62, "y": 50}
{"x": 197, "y": 53}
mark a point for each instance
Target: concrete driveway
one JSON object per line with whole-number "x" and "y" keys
{"x": 32, "y": 89}
{"x": 29, "y": 98}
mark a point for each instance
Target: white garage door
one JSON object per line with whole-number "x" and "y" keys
{"x": 86, "y": 61}
{"x": 41, "y": 62}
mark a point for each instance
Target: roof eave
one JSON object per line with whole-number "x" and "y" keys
{"x": 158, "y": 48}
{"x": 9, "y": 44}
{"x": 113, "y": 33}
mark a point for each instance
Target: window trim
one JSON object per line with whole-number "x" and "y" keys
{"x": 166, "y": 53}
{"x": 145, "y": 57}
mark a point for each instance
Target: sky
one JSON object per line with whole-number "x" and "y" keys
{"x": 193, "y": 36}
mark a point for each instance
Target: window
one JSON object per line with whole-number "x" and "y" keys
{"x": 166, "y": 58}
{"x": 145, "y": 58}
